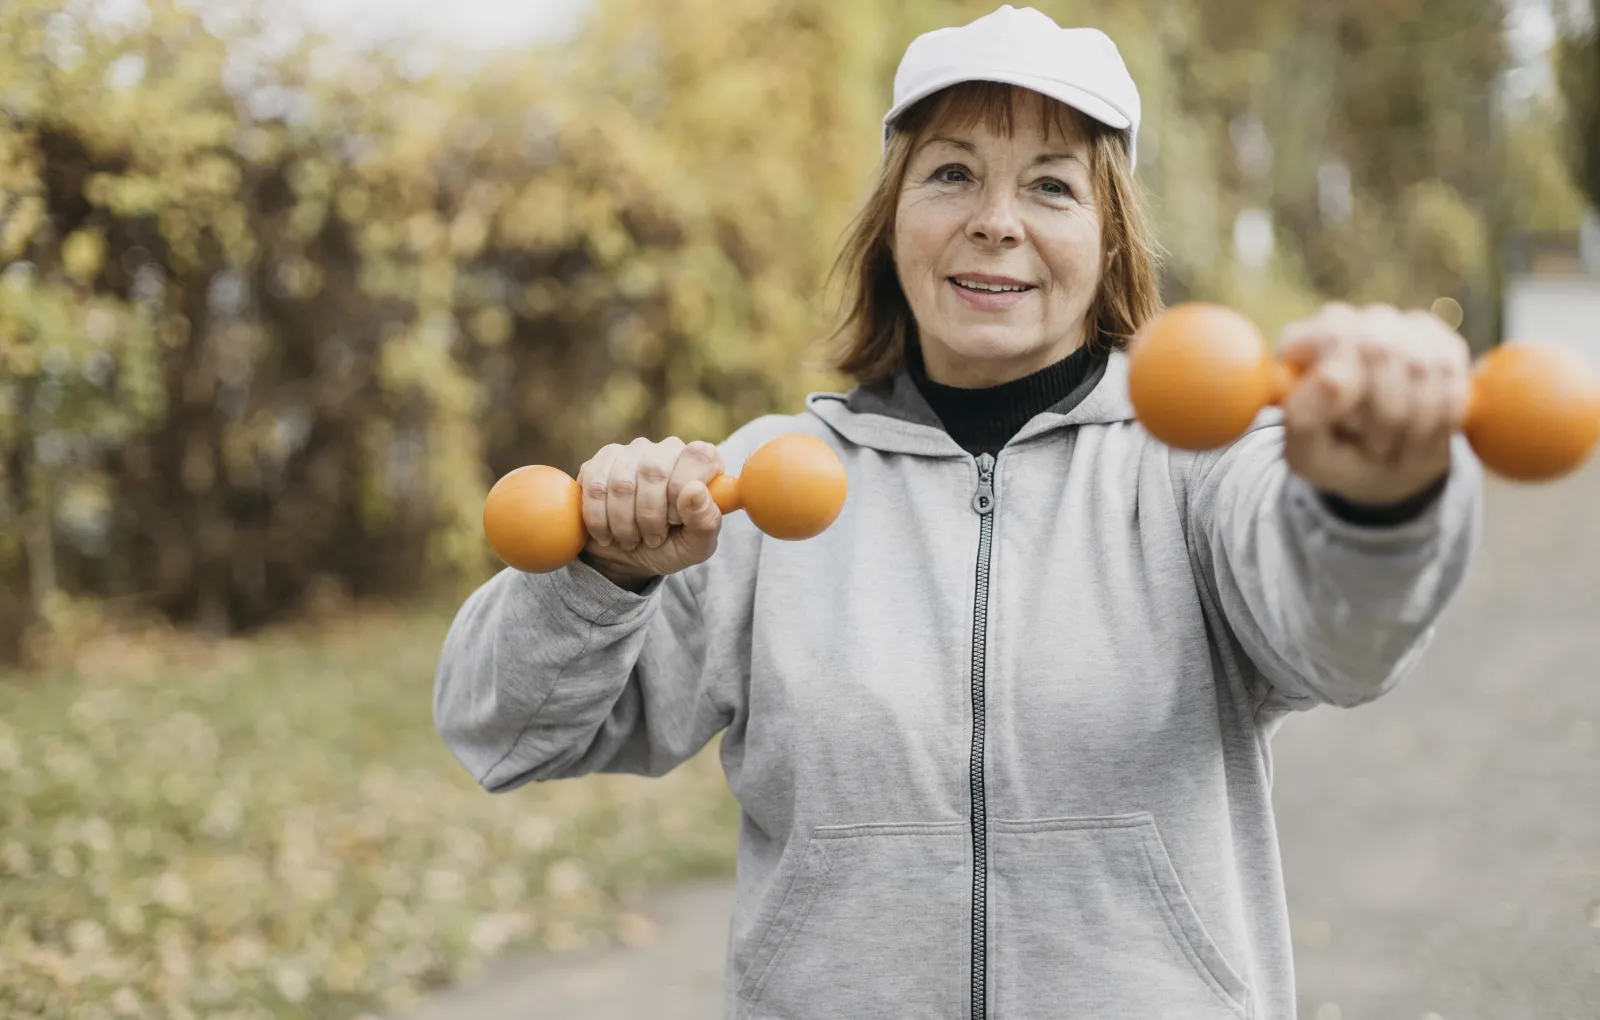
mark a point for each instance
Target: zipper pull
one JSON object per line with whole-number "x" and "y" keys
{"x": 983, "y": 501}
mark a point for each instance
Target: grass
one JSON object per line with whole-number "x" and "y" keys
{"x": 271, "y": 828}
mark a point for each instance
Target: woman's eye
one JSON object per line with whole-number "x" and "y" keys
{"x": 951, "y": 174}
{"x": 1055, "y": 187}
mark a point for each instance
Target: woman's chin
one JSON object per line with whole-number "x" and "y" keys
{"x": 996, "y": 356}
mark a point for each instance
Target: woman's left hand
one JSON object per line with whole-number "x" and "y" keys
{"x": 1381, "y": 394}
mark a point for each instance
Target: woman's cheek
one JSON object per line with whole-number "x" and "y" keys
{"x": 1077, "y": 262}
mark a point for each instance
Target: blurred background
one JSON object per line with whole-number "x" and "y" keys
{"x": 285, "y": 285}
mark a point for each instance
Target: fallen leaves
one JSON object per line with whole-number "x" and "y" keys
{"x": 272, "y": 829}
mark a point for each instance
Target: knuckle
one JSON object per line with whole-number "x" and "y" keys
{"x": 622, "y": 486}
{"x": 1441, "y": 363}
{"x": 594, "y": 488}
{"x": 653, "y": 472}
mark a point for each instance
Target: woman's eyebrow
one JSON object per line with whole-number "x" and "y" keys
{"x": 1045, "y": 157}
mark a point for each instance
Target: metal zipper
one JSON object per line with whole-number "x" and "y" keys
{"x": 983, "y": 502}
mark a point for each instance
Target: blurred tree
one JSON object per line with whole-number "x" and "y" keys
{"x": 1578, "y": 73}
{"x": 1541, "y": 181}
{"x": 274, "y": 314}
{"x": 1391, "y": 179}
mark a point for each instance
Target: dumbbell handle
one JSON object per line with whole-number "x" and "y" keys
{"x": 792, "y": 487}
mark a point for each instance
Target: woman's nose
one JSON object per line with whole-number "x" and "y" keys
{"x": 996, "y": 220}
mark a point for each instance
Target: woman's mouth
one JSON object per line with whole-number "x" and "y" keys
{"x": 990, "y": 293}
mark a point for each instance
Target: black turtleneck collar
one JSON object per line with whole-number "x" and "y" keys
{"x": 983, "y": 420}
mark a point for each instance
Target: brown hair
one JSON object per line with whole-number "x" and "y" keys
{"x": 876, "y": 322}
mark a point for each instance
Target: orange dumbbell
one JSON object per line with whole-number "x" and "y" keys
{"x": 792, "y": 486}
{"x": 1199, "y": 373}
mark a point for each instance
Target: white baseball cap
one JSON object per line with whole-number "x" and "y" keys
{"x": 1078, "y": 66}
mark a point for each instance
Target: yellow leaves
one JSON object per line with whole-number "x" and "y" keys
{"x": 691, "y": 415}
{"x": 300, "y": 277}
{"x": 20, "y": 361}
{"x": 181, "y": 235}
{"x": 18, "y": 165}
{"x": 82, "y": 255}
{"x": 492, "y": 326}
{"x": 420, "y": 360}
{"x": 435, "y": 286}
{"x": 541, "y": 298}
{"x": 311, "y": 177}
{"x": 307, "y": 219}
{"x": 347, "y": 820}
{"x": 1541, "y": 190}
{"x": 17, "y": 225}
{"x": 424, "y": 232}
{"x": 468, "y": 232}
{"x": 379, "y": 237}
{"x": 215, "y": 175}
{"x": 354, "y": 201}
{"x": 638, "y": 278}
{"x": 541, "y": 215}
{"x": 622, "y": 400}
{"x": 1446, "y": 238}
{"x": 485, "y": 197}
{"x": 126, "y": 195}
{"x": 660, "y": 200}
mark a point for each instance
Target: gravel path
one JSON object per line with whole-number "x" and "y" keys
{"x": 673, "y": 971}
{"x": 1442, "y": 846}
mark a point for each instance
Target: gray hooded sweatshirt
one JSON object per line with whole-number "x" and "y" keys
{"x": 1000, "y": 735}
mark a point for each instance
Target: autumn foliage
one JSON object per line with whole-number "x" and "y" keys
{"x": 274, "y": 313}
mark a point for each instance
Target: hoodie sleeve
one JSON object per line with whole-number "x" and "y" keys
{"x": 1330, "y": 611}
{"x": 546, "y": 676}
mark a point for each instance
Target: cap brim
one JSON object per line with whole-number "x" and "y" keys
{"x": 1079, "y": 99}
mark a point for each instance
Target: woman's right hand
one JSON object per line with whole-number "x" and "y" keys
{"x": 647, "y": 509}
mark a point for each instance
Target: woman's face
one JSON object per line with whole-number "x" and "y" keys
{"x": 997, "y": 247}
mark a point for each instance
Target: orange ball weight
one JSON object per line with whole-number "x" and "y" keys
{"x": 792, "y": 486}
{"x": 1198, "y": 374}
{"x": 1534, "y": 411}
{"x": 533, "y": 519}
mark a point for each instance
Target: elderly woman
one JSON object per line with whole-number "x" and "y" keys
{"x": 1000, "y": 735}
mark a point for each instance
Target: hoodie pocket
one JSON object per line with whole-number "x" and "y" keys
{"x": 1088, "y": 918}
{"x": 872, "y": 924}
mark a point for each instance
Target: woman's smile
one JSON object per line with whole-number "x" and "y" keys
{"x": 990, "y": 293}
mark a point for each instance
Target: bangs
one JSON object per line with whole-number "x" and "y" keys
{"x": 999, "y": 107}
